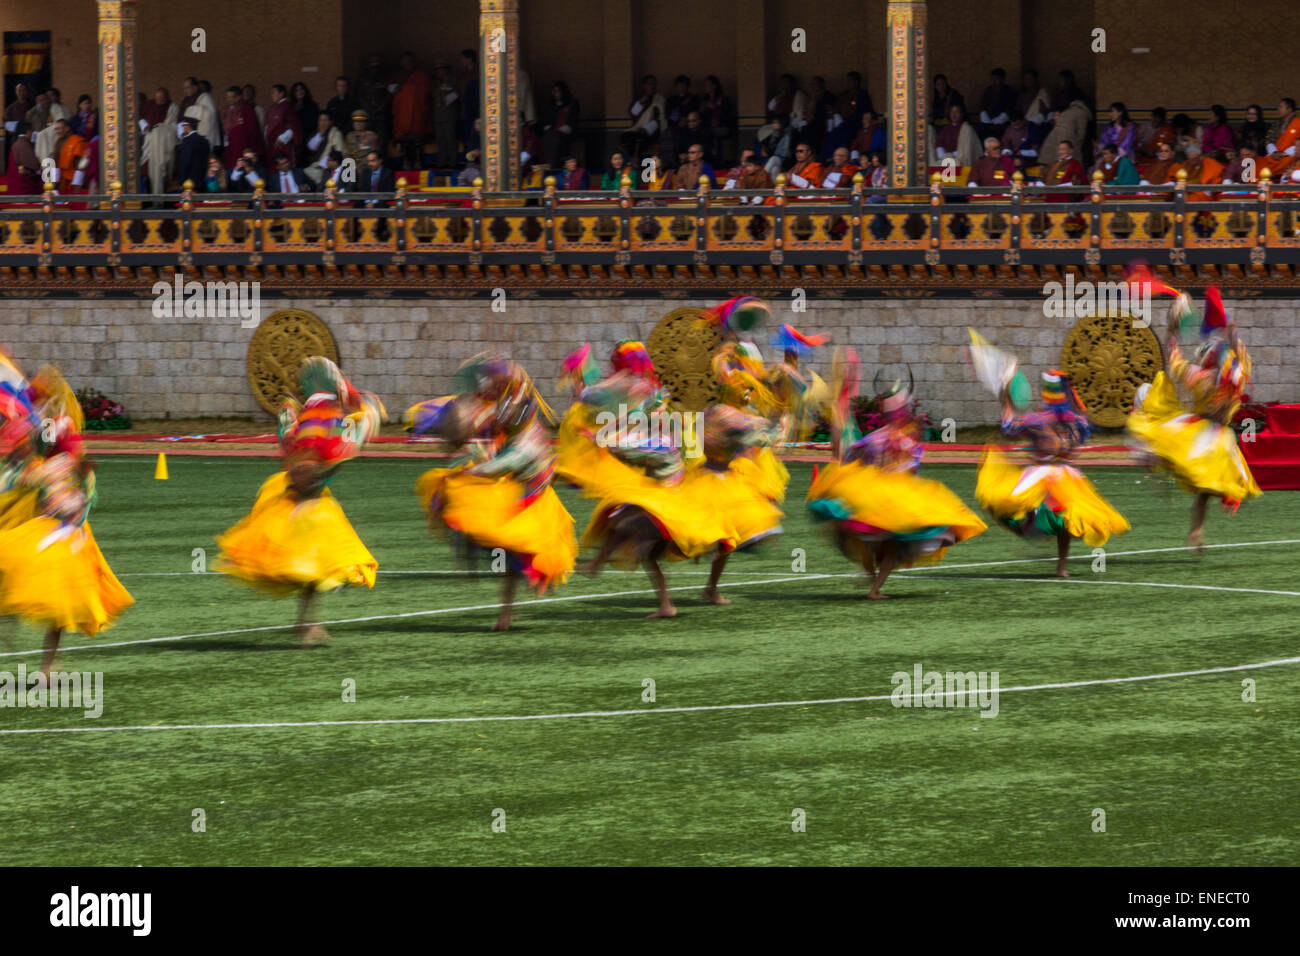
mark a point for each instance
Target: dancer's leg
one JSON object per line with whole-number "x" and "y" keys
{"x": 1062, "y": 553}
{"x": 50, "y": 648}
{"x": 886, "y": 562}
{"x": 656, "y": 573}
{"x": 1197, "y": 539}
{"x": 507, "y": 599}
{"x": 309, "y": 633}
{"x": 715, "y": 572}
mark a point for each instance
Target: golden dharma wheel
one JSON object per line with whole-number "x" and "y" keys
{"x": 281, "y": 342}
{"x": 682, "y": 346}
{"x": 1108, "y": 357}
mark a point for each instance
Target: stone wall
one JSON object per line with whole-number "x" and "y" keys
{"x": 407, "y": 351}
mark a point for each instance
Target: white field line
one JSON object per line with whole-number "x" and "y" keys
{"x": 1134, "y": 584}
{"x": 645, "y": 711}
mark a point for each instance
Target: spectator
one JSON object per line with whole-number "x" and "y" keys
{"x": 994, "y": 169}
{"x": 560, "y": 120}
{"x": 530, "y": 146}
{"x": 38, "y": 117}
{"x": 1067, "y": 91}
{"x": 249, "y": 94}
{"x": 1245, "y": 168}
{"x": 361, "y": 140}
{"x": 806, "y": 173}
{"x": 877, "y": 173}
{"x": 835, "y": 133}
{"x": 205, "y": 110}
{"x": 1033, "y": 101}
{"x": 572, "y": 176}
{"x": 1280, "y": 145}
{"x": 839, "y": 174}
{"x": 996, "y": 104}
{"x": 23, "y": 175}
{"x": 1065, "y": 171}
{"x": 446, "y": 108}
{"x": 1070, "y": 124}
{"x": 718, "y": 116}
{"x": 647, "y": 115}
{"x": 1158, "y": 131}
{"x": 1254, "y": 129}
{"x": 868, "y": 139}
{"x": 791, "y": 102}
{"x": 283, "y": 134}
{"x": 775, "y": 144}
{"x": 1121, "y": 133}
{"x": 158, "y": 121}
{"x": 16, "y": 112}
{"x": 86, "y": 121}
{"x": 1117, "y": 170}
{"x": 375, "y": 99}
{"x": 342, "y": 104}
{"x": 855, "y": 102}
{"x": 1201, "y": 169}
{"x": 682, "y": 103}
{"x": 689, "y": 173}
{"x": 681, "y": 139}
{"x": 1218, "y": 138}
{"x": 333, "y": 163}
{"x": 468, "y": 94}
{"x": 304, "y": 105}
{"x": 243, "y": 131}
{"x": 472, "y": 170}
{"x": 215, "y": 180}
{"x": 378, "y": 179}
{"x": 411, "y": 124}
{"x": 823, "y": 105}
{"x": 327, "y": 139}
{"x": 247, "y": 173}
{"x": 957, "y": 139}
{"x": 1021, "y": 138}
{"x": 943, "y": 100}
{"x": 1186, "y": 132}
{"x": 613, "y": 177}
{"x": 1163, "y": 170}
{"x": 192, "y": 160}
{"x": 288, "y": 179}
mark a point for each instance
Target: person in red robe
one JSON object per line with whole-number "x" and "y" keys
{"x": 806, "y": 173}
{"x": 994, "y": 168}
{"x": 1282, "y": 150}
{"x": 23, "y": 177}
{"x": 283, "y": 130}
{"x": 411, "y": 126}
{"x": 1066, "y": 171}
{"x": 239, "y": 120}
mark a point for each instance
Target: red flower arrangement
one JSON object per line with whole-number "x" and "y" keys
{"x": 101, "y": 412}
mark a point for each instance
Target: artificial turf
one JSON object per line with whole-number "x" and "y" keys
{"x": 1185, "y": 770}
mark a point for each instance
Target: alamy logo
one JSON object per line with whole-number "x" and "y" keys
{"x": 75, "y": 909}
{"x": 923, "y": 688}
{"x": 657, "y": 429}
{"x": 208, "y": 300}
{"x": 79, "y": 690}
{"x": 1079, "y": 300}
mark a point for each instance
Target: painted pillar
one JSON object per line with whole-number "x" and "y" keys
{"x": 499, "y": 73}
{"x": 906, "y": 32}
{"x": 119, "y": 159}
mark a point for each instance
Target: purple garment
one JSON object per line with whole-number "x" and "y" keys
{"x": 1123, "y": 138}
{"x": 1217, "y": 138}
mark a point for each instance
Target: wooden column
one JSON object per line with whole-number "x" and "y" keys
{"x": 906, "y": 35}
{"x": 119, "y": 159}
{"x": 498, "y": 35}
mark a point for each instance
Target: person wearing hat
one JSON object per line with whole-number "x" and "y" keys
{"x": 192, "y": 161}
{"x": 1193, "y": 441}
{"x": 880, "y": 512}
{"x": 361, "y": 140}
{"x": 1047, "y": 496}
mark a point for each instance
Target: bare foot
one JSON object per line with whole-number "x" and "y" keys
{"x": 314, "y": 636}
{"x": 591, "y": 569}
{"x": 1061, "y": 572}
{"x": 1196, "y": 541}
{"x": 877, "y": 596}
{"x": 502, "y": 624}
{"x": 713, "y": 597}
{"x": 669, "y": 611}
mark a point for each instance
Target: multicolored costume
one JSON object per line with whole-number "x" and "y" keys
{"x": 873, "y": 497}
{"x": 1182, "y": 420}
{"x": 498, "y": 493}
{"x": 297, "y": 538}
{"x": 52, "y": 572}
{"x": 1049, "y": 496}
{"x": 619, "y": 445}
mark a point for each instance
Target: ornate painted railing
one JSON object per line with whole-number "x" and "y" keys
{"x": 847, "y": 237}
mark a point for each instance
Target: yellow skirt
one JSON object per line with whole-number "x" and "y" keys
{"x": 491, "y": 512}
{"x": 285, "y": 545}
{"x": 580, "y": 461}
{"x": 61, "y": 582}
{"x": 17, "y": 506}
{"x": 1044, "y": 500}
{"x": 686, "y": 518}
{"x": 770, "y": 476}
{"x": 870, "y": 506}
{"x": 738, "y": 497}
{"x": 1200, "y": 454}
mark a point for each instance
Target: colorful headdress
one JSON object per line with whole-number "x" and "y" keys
{"x": 53, "y": 397}
{"x": 790, "y": 339}
{"x": 1139, "y": 277}
{"x": 632, "y": 356}
{"x": 739, "y": 314}
{"x": 579, "y": 370}
{"x": 892, "y": 393}
{"x": 1059, "y": 394}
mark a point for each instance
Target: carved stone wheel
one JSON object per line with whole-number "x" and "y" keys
{"x": 1107, "y": 358}
{"x": 682, "y": 349}
{"x": 277, "y": 348}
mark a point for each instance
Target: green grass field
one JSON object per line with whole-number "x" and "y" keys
{"x": 1185, "y": 770}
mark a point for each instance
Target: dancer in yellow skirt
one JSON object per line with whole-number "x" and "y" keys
{"x": 52, "y": 572}
{"x": 1047, "y": 497}
{"x": 622, "y": 445}
{"x": 1181, "y": 421}
{"x": 882, "y": 514}
{"x": 297, "y": 540}
{"x": 498, "y": 494}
